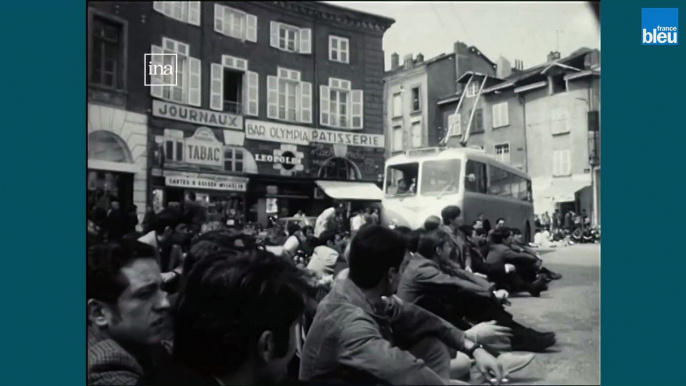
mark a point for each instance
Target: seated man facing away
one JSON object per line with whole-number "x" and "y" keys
{"x": 235, "y": 322}
{"x": 456, "y": 299}
{"x": 127, "y": 314}
{"x": 527, "y": 265}
{"x": 501, "y": 273}
{"x": 518, "y": 244}
{"x": 353, "y": 336}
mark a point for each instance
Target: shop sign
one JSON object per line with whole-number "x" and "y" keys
{"x": 199, "y": 117}
{"x": 287, "y": 159}
{"x": 205, "y": 181}
{"x": 321, "y": 155}
{"x": 203, "y": 148}
{"x": 299, "y": 135}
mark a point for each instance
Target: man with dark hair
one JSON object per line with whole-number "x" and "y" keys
{"x": 236, "y": 320}
{"x": 502, "y": 273}
{"x": 526, "y": 265}
{"x": 452, "y": 220}
{"x": 127, "y": 314}
{"x": 352, "y": 336}
{"x": 325, "y": 256}
{"x": 432, "y": 223}
{"x": 453, "y": 297}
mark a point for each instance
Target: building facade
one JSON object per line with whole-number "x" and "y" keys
{"x": 413, "y": 90}
{"x": 267, "y": 98}
{"x": 544, "y": 121}
{"x": 117, "y": 127}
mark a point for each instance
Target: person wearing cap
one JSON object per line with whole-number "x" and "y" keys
{"x": 323, "y": 260}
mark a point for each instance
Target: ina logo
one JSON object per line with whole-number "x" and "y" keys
{"x": 659, "y": 26}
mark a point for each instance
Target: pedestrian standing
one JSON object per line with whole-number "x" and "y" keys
{"x": 375, "y": 216}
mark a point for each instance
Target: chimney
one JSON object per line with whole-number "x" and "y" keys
{"x": 504, "y": 68}
{"x": 395, "y": 61}
{"x": 460, "y": 47}
{"x": 408, "y": 61}
{"x": 420, "y": 58}
{"x": 553, "y": 55}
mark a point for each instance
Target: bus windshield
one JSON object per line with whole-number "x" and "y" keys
{"x": 440, "y": 177}
{"x": 401, "y": 180}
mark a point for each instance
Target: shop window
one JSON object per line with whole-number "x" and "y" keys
{"x": 233, "y": 160}
{"x": 173, "y": 150}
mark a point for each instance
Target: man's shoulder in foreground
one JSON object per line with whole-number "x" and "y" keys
{"x": 110, "y": 364}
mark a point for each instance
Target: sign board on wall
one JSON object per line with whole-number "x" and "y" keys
{"x": 205, "y": 181}
{"x": 203, "y": 148}
{"x": 299, "y": 135}
{"x": 199, "y": 117}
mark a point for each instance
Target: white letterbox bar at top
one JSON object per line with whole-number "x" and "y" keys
{"x": 298, "y": 135}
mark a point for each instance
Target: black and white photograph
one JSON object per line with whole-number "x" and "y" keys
{"x": 334, "y": 192}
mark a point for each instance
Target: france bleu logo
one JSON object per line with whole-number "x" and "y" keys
{"x": 659, "y": 26}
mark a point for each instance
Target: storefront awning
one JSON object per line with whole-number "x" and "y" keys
{"x": 351, "y": 190}
{"x": 563, "y": 191}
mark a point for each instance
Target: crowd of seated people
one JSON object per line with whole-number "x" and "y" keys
{"x": 399, "y": 307}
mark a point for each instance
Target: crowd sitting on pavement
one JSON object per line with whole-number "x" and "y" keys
{"x": 191, "y": 302}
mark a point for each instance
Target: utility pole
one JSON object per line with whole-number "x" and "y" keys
{"x": 557, "y": 36}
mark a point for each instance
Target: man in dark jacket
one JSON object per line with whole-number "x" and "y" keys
{"x": 526, "y": 265}
{"x": 359, "y": 321}
{"x": 457, "y": 299}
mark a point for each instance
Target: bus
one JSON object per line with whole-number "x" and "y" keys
{"x": 421, "y": 182}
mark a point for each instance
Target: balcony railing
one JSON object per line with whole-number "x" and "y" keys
{"x": 233, "y": 107}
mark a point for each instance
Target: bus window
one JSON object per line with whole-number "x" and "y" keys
{"x": 499, "y": 182}
{"x": 401, "y": 180}
{"x": 476, "y": 179}
{"x": 440, "y": 177}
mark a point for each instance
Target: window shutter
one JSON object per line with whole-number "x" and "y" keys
{"x": 218, "y": 18}
{"x": 564, "y": 121}
{"x": 194, "y": 12}
{"x": 272, "y": 97}
{"x": 253, "y": 93}
{"x": 158, "y": 6}
{"x": 504, "y": 114}
{"x": 566, "y": 163}
{"x": 357, "y": 108}
{"x": 305, "y": 102}
{"x": 156, "y": 91}
{"x": 217, "y": 87}
{"x": 251, "y": 28}
{"x": 324, "y": 104}
{"x": 556, "y": 163}
{"x": 305, "y": 41}
{"x": 496, "y": 116}
{"x": 454, "y": 127}
{"x": 274, "y": 34}
{"x": 194, "y": 82}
